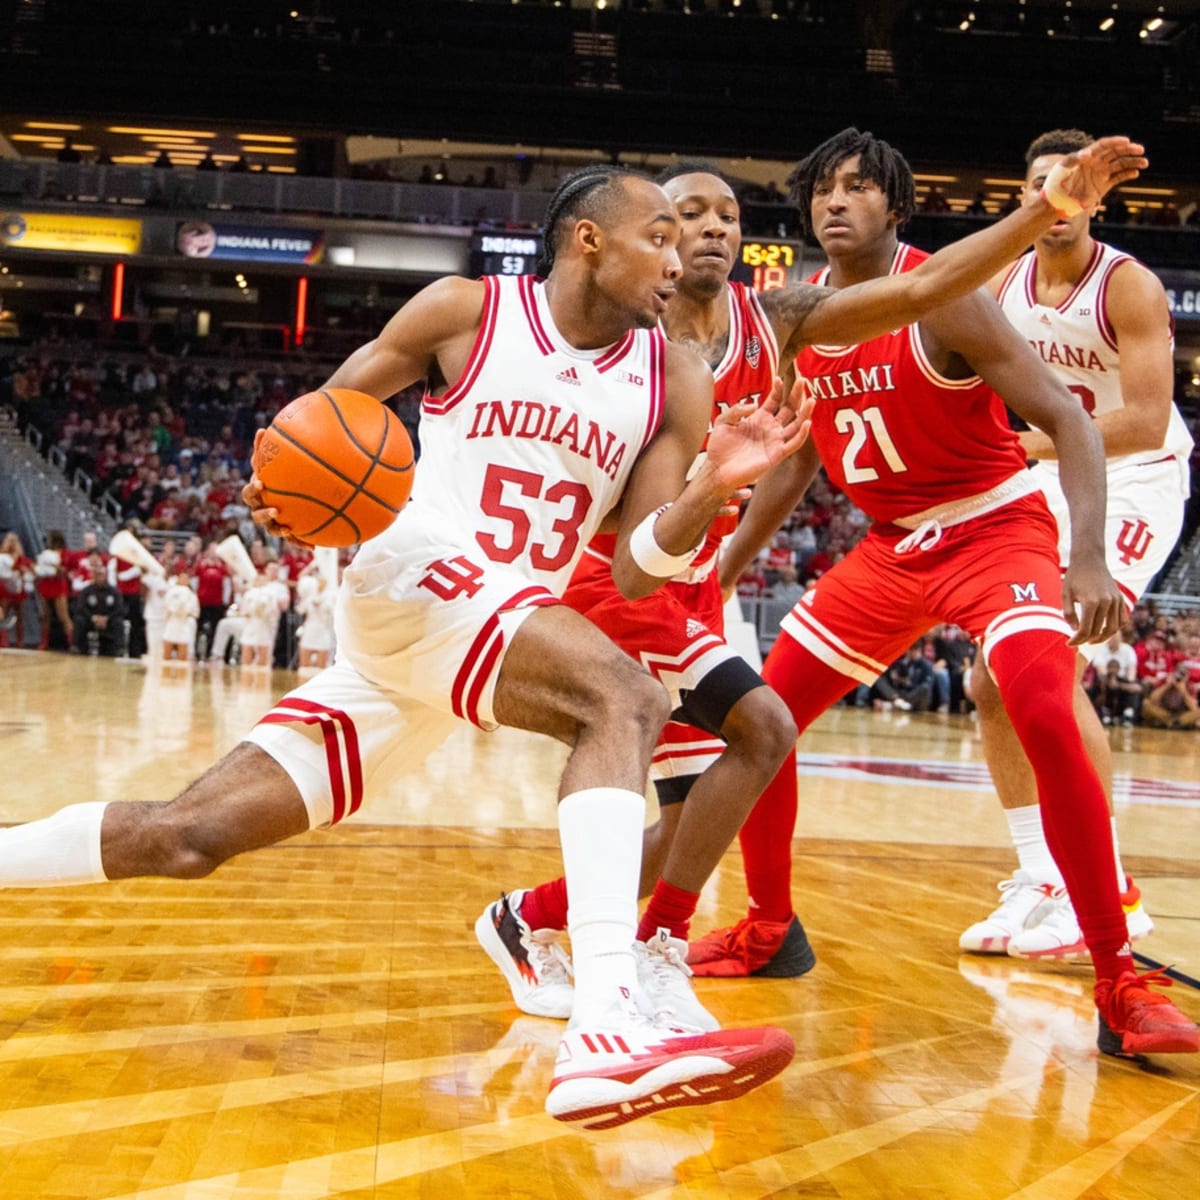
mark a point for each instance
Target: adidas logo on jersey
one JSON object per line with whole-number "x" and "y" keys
{"x": 570, "y": 375}
{"x": 695, "y": 628}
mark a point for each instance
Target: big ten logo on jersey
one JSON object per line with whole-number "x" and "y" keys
{"x": 1133, "y": 540}
{"x": 553, "y": 424}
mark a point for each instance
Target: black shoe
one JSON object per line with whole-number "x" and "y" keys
{"x": 793, "y": 959}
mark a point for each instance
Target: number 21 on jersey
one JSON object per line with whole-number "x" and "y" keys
{"x": 863, "y": 427}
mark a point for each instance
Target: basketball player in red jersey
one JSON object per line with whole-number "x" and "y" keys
{"x": 909, "y": 425}
{"x": 728, "y": 734}
{"x": 1101, "y": 322}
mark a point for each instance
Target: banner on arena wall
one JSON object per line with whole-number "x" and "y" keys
{"x": 249, "y": 243}
{"x": 1183, "y": 292}
{"x": 62, "y": 231}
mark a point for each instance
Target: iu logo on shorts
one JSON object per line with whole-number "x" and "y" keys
{"x": 1134, "y": 540}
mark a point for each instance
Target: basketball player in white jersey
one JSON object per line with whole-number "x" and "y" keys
{"x": 546, "y": 406}
{"x": 1100, "y": 320}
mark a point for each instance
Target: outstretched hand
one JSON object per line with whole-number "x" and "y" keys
{"x": 1100, "y": 167}
{"x": 748, "y": 439}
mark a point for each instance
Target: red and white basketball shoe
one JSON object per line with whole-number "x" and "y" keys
{"x": 628, "y": 1066}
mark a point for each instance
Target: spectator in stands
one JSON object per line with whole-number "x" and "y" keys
{"x": 935, "y": 202}
{"x": 99, "y": 612}
{"x": 1155, "y": 660}
{"x": 787, "y": 589}
{"x": 911, "y": 679}
{"x": 779, "y": 555}
{"x": 953, "y": 653}
{"x": 1191, "y": 657}
{"x": 67, "y": 152}
{"x": 1172, "y": 703}
{"x": 752, "y": 584}
{"x": 1113, "y": 696}
{"x": 127, "y": 578}
{"x": 214, "y": 590}
{"x": 978, "y": 206}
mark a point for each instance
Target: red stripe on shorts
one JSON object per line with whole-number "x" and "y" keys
{"x": 343, "y": 764}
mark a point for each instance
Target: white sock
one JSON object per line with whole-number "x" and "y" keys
{"x": 1121, "y": 884}
{"x": 601, "y": 834}
{"x": 1029, "y": 841}
{"x": 62, "y": 849}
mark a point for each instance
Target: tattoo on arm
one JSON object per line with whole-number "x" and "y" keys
{"x": 788, "y": 307}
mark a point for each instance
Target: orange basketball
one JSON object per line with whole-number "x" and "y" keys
{"x": 337, "y": 465}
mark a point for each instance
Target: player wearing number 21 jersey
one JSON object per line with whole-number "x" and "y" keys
{"x": 910, "y": 426}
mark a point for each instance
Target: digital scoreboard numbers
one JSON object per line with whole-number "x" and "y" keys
{"x": 767, "y": 265}
{"x": 504, "y": 253}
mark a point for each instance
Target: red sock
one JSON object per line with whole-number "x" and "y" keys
{"x": 1035, "y": 672}
{"x": 670, "y": 908}
{"x": 808, "y": 687}
{"x": 766, "y": 840}
{"x": 545, "y": 906}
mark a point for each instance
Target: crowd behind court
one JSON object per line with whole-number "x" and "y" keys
{"x": 169, "y": 444}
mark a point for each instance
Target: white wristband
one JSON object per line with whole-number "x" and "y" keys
{"x": 1066, "y": 205}
{"x": 650, "y": 556}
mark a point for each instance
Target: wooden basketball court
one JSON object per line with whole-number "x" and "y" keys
{"x": 317, "y": 1020}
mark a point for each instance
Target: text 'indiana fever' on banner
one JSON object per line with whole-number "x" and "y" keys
{"x": 249, "y": 243}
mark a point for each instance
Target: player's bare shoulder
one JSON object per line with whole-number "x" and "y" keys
{"x": 1132, "y": 286}
{"x": 689, "y": 383}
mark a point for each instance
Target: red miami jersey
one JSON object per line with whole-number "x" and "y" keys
{"x": 893, "y": 433}
{"x": 746, "y": 372}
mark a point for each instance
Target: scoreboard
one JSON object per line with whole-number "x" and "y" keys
{"x": 502, "y": 253}
{"x": 768, "y": 265}
{"x": 763, "y": 265}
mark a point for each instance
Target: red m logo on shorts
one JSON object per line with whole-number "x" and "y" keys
{"x": 1134, "y": 540}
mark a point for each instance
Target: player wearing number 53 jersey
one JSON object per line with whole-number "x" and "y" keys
{"x": 1100, "y": 322}
{"x": 908, "y": 425}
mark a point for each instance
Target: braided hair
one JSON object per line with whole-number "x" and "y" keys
{"x": 877, "y": 161}
{"x": 589, "y": 192}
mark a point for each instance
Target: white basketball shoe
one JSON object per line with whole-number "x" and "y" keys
{"x": 1058, "y": 934}
{"x": 665, "y": 982}
{"x": 1024, "y": 902}
{"x": 536, "y": 967}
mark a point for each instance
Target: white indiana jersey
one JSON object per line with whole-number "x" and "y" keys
{"x": 526, "y": 453}
{"x": 1076, "y": 339}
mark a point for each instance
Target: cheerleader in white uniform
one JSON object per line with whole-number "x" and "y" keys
{"x": 182, "y": 610}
